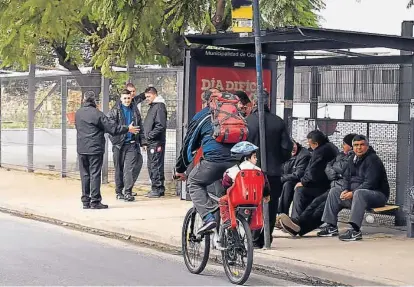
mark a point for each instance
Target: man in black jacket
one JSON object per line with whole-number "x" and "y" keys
{"x": 365, "y": 186}
{"x": 311, "y": 217}
{"x": 91, "y": 124}
{"x": 314, "y": 182}
{"x": 293, "y": 170}
{"x": 278, "y": 150}
{"x": 136, "y": 99}
{"x": 155, "y": 126}
{"x": 126, "y": 147}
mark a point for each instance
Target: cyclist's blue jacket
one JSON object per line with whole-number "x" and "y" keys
{"x": 199, "y": 134}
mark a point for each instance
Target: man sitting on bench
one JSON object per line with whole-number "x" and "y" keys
{"x": 365, "y": 186}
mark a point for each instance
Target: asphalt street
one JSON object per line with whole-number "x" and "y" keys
{"x": 35, "y": 253}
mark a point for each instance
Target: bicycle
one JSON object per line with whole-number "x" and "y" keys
{"x": 245, "y": 211}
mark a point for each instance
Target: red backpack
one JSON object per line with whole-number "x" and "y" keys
{"x": 228, "y": 125}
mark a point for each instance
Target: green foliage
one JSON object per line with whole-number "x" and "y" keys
{"x": 107, "y": 32}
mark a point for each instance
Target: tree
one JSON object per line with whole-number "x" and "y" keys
{"x": 212, "y": 16}
{"x": 103, "y": 33}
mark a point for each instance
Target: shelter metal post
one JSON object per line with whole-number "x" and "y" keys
{"x": 105, "y": 110}
{"x": 289, "y": 87}
{"x": 31, "y": 116}
{"x": 406, "y": 89}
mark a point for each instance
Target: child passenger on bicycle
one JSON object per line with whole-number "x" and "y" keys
{"x": 248, "y": 153}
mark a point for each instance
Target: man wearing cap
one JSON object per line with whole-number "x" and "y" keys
{"x": 216, "y": 160}
{"x": 91, "y": 125}
{"x": 278, "y": 150}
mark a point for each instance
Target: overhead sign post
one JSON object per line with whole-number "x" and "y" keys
{"x": 242, "y": 16}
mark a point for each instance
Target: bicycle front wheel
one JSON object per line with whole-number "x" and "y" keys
{"x": 238, "y": 253}
{"x": 195, "y": 254}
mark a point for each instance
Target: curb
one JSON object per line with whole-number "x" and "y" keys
{"x": 215, "y": 257}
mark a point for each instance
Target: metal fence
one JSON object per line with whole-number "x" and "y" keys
{"x": 56, "y": 99}
{"x": 344, "y": 84}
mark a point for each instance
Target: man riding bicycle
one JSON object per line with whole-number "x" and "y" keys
{"x": 216, "y": 160}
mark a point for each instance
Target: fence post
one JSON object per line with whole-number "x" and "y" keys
{"x": 348, "y": 112}
{"x": 64, "y": 93}
{"x": 179, "y": 120}
{"x": 0, "y": 122}
{"x": 105, "y": 110}
{"x": 31, "y": 116}
{"x": 315, "y": 92}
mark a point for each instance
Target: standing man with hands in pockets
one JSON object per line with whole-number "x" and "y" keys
{"x": 91, "y": 125}
{"x": 155, "y": 126}
{"x": 126, "y": 147}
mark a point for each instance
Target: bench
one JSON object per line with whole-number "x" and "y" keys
{"x": 387, "y": 209}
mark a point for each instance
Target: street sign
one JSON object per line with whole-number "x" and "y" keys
{"x": 242, "y": 16}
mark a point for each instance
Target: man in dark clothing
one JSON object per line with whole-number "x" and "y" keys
{"x": 293, "y": 170}
{"x": 278, "y": 150}
{"x": 315, "y": 181}
{"x": 215, "y": 161}
{"x": 91, "y": 124}
{"x": 365, "y": 186}
{"x": 126, "y": 147}
{"x": 155, "y": 127}
{"x": 245, "y": 105}
{"x": 311, "y": 218}
{"x": 136, "y": 99}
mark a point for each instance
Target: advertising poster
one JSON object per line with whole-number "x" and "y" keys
{"x": 226, "y": 70}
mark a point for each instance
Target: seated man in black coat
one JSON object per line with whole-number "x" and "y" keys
{"x": 311, "y": 218}
{"x": 314, "y": 182}
{"x": 293, "y": 170}
{"x": 365, "y": 186}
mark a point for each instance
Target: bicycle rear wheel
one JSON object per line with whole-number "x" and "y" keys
{"x": 239, "y": 251}
{"x": 194, "y": 259}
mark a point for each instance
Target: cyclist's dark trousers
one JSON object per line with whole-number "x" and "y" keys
{"x": 155, "y": 163}
{"x": 90, "y": 167}
{"x": 128, "y": 164}
{"x": 202, "y": 175}
{"x": 275, "y": 191}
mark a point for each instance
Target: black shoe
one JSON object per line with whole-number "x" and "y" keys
{"x": 98, "y": 206}
{"x": 134, "y": 193}
{"x": 129, "y": 198}
{"x": 153, "y": 194}
{"x": 351, "y": 235}
{"x": 86, "y": 206}
{"x": 328, "y": 231}
{"x": 120, "y": 196}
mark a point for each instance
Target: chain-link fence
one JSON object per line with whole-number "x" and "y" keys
{"x": 56, "y": 99}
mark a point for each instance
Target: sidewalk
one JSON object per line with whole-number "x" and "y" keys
{"x": 384, "y": 257}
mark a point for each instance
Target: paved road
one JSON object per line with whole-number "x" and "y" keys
{"x": 34, "y": 253}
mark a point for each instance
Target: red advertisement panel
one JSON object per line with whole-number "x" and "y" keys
{"x": 228, "y": 79}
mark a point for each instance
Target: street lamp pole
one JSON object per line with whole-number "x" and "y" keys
{"x": 261, "y": 104}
